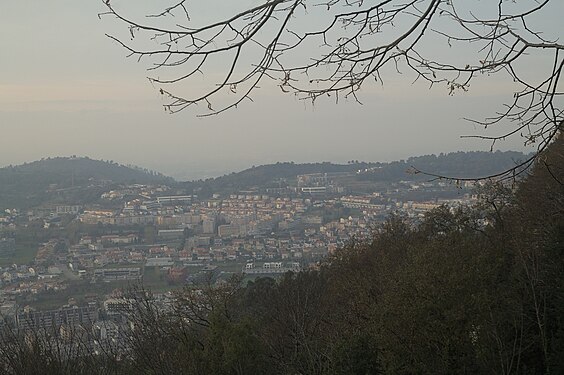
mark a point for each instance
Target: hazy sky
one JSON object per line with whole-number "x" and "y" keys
{"x": 66, "y": 89}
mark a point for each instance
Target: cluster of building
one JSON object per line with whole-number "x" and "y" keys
{"x": 190, "y": 239}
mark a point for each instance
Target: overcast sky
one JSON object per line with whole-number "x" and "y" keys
{"x": 66, "y": 89}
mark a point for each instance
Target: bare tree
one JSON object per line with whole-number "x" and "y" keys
{"x": 41, "y": 347}
{"x": 333, "y": 48}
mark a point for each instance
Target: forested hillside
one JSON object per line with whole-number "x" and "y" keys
{"x": 473, "y": 164}
{"x": 33, "y": 183}
{"x": 457, "y": 164}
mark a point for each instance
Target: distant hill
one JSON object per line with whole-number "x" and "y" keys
{"x": 266, "y": 174}
{"x": 457, "y": 165}
{"x": 76, "y": 178}
{"x": 82, "y": 180}
{"x": 473, "y": 164}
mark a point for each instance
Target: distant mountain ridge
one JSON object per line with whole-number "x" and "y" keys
{"x": 473, "y": 164}
{"x": 82, "y": 180}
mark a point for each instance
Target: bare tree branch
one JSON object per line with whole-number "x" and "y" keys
{"x": 336, "y": 47}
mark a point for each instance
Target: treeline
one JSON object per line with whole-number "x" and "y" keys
{"x": 472, "y": 290}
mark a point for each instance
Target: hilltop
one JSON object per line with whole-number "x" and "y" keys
{"x": 76, "y": 178}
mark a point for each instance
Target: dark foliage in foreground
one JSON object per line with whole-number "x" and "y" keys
{"x": 467, "y": 291}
